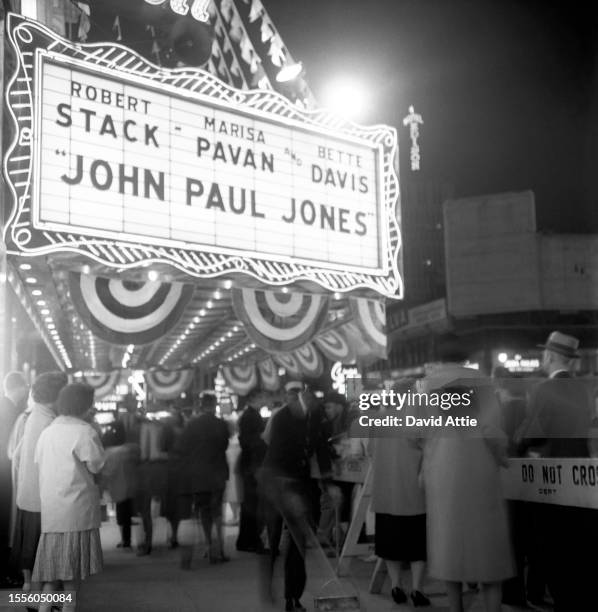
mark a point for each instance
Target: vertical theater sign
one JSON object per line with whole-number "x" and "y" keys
{"x": 116, "y": 166}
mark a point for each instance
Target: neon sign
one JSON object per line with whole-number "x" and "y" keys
{"x": 130, "y": 163}
{"x": 340, "y": 373}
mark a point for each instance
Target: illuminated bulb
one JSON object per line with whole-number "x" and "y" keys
{"x": 44, "y": 311}
{"x": 289, "y": 72}
{"x": 346, "y": 96}
{"x": 202, "y": 312}
{"x": 152, "y": 275}
{"x": 36, "y": 292}
{"x": 337, "y": 296}
{"x": 228, "y": 284}
{"x": 230, "y": 334}
{"x": 217, "y": 294}
{"x": 86, "y": 269}
{"x": 41, "y": 302}
{"x": 25, "y": 266}
{"x": 210, "y": 304}
{"x": 31, "y": 280}
{"x": 236, "y": 328}
{"x": 285, "y": 289}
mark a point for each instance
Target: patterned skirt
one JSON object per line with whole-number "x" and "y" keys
{"x": 73, "y": 555}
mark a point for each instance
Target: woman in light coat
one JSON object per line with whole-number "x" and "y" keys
{"x": 69, "y": 455}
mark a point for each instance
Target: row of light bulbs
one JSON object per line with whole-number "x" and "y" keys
{"x": 47, "y": 316}
{"x": 190, "y": 327}
{"x": 217, "y": 344}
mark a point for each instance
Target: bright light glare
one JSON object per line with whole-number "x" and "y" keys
{"x": 347, "y": 97}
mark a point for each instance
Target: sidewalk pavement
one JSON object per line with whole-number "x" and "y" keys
{"x": 155, "y": 583}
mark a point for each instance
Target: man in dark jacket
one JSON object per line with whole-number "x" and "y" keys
{"x": 558, "y": 426}
{"x": 286, "y": 484}
{"x": 11, "y": 405}
{"x": 203, "y": 473}
{"x": 253, "y": 450}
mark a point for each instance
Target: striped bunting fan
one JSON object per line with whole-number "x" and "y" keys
{"x": 280, "y": 322}
{"x": 167, "y": 385}
{"x": 125, "y": 312}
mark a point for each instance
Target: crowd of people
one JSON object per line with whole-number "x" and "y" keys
{"x": 438, "y": 501}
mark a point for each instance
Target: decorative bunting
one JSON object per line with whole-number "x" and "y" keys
{"x": 236, "y": 28}
{"x": 227, "y": 10}
{"x": 241, "y": 378}
{"x": 279, "y": 322}
{"x": 290, "y": 363}
{"x": 276, "y": 52}
{"x": 269, "y": 374}
{"x": 117, "y": 29}
{"x": 335, "y": 346}
{"x": 126, "y": 312}
{"x": 166, "y": 385}
{"x": 249, "y": 55}
{"x": 311, "y": 362}
{"x": 266, "y": 31}
{"x": 370, "y": 316}
{"x": 103, "y": 383}
{"x": 264, "y": 82}
{"x": 256, "y": 10}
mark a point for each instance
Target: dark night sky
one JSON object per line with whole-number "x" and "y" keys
{"x": 508, "y": 90}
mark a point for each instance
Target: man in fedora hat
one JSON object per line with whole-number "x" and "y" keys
{"x": 560, "y": 408}
{"x": 558, "y": 426}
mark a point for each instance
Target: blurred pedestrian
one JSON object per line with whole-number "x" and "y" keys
{"x": 155, "y": 442}
{"x": 203, "y": 472}
{"x": 285, "y": 482}
{"x": 12, "y": 405}
{"x": 120, "y": 476}
{"x": 511, "y": 394}
{"x": 69, "y": 456}
{"x": 335, "y": 495}
{"x": 44, "y": 393}
{"x": 399, "y": 503}
{"x": 253, "y": 451}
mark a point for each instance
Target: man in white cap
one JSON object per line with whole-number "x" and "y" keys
{"x": 558, "y": 426}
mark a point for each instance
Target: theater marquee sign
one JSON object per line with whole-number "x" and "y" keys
{"x": 128, "y": 163}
